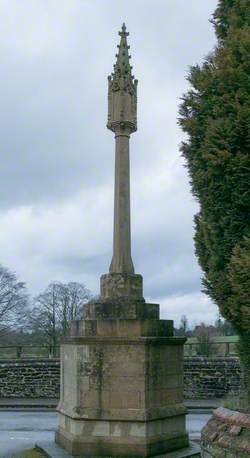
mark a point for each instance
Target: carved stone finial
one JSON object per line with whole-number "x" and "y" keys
{"x": 122, "y": 119}
{"x": 122, "y": 94}
{"x": 124, "y": 33}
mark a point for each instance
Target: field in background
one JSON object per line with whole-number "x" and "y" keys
{"x": 214, "y": 346}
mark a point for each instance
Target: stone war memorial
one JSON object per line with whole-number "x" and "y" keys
{"x": 121, "y": 366}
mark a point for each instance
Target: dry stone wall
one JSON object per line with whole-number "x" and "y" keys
{"x": 32, "y": 378}
{"x": 206, "y": 378}
{"x": 29, "y": 378}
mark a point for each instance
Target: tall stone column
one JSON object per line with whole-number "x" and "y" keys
{"x": 122, "y": 120}
{"x": 121, "y": 366}
{"x": 122, "y": 260}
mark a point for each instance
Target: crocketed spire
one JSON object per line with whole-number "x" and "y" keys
{"x": 122, "y": 66}
{"x": 122, "y": 92}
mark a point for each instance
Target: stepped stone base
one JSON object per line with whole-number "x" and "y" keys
{"x": 121, "y": 383}
{"x": 124, "y": 439}
{"x": 226, "y": 435}
{"x": 52, "y": 450}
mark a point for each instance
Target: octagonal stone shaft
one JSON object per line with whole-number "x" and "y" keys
{"x": 122, "y": 260}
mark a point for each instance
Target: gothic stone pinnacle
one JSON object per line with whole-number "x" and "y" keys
{"x": 122, "y": 120}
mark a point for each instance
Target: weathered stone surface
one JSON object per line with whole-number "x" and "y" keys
{"x": 121, "y": 395}
{"x": 122, "y": 328}
{"x": 53, "y": 450}
{"x": 122, "y": 90}
{"x": 29, "y": 378}
{"x": 123, "y": 309}
{"x": 121, "y": 378}
{"x": 227, "y": 435}
{"x": 129, "y": 446}
{"x": 115, "y": 285}
{"x": 211, "y": 377}
{"x": 34, "y": 378}
{"x": 122, "y": 120}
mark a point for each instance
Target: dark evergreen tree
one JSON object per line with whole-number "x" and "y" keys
{"x": 215, "y": 114}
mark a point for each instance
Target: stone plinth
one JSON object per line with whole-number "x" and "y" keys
{"x": 121, "y": 309}
{"x": 115, "y": 285}
{"x": 52, "y": 450}
{"x": 122, "y": 384}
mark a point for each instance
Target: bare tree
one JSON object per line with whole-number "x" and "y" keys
{"x": 53, "y": 309}
{"x": 43, "y": 317}
{"x": 184, "y": 324}
{"x": 71, "y": 298}
{"x": 13, "y": 301}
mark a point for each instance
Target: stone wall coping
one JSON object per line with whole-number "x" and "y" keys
{"x": 39, "y": 377}
{"x": 37, "y": 361}
{"x": 211, "y": 359}
{"x": 226, "y": 434}
{"x": 125, "y": 340}
{"x": 232, "y": 417}
{"x": 187, "y": 359}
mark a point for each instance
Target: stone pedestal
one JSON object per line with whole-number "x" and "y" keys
{"x": 122, "y": 383}
{"x": 125, "y": 285}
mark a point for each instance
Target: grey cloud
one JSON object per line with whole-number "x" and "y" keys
{"x": 57, "y": 157}
{"x": 49, "y": 150}
{"x": 53, "y": 109}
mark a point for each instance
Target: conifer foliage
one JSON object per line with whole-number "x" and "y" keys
{"x": 215, "y": 115}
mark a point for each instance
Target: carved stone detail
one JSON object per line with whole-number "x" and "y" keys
{"x": 122, "y": 119}
{"x": 115, "y": 285}
{"x": 122, "y": 90}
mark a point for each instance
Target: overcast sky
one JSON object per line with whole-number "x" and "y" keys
{"x": 57, "y": 157}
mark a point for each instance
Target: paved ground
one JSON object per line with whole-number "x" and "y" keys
{"x": 21, "y": 430}
{"x": 195, "y": 423}
{"x": 29, "y": 403}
